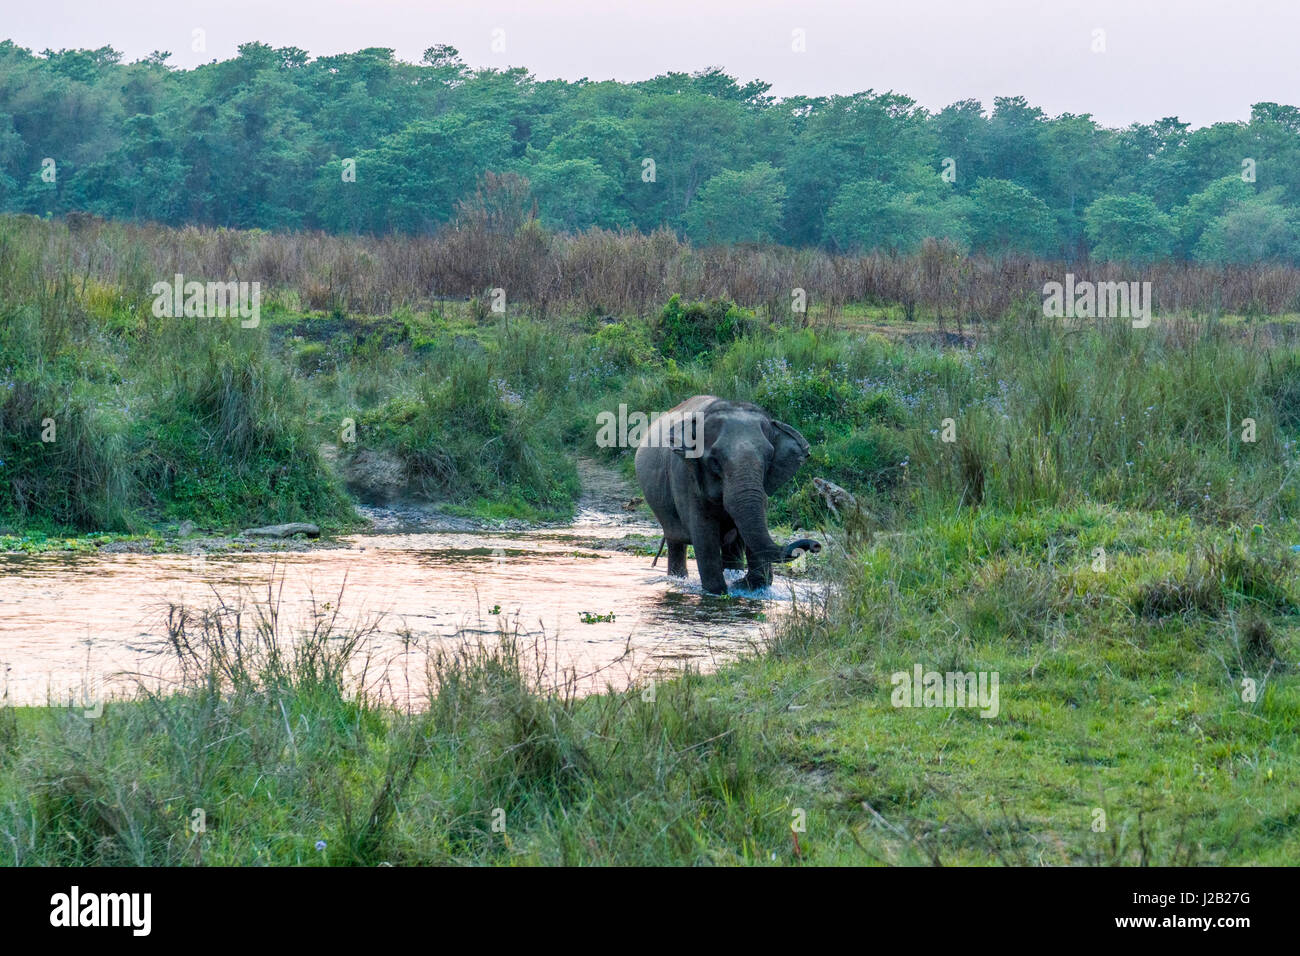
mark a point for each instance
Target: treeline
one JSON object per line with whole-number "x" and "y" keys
{"x": 366, "y": 143}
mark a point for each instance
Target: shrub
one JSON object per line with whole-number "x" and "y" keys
{"x": 314, "y": 357}
{"x": 869, "y": 459}
{"x": 820, "y": 402}
{"x": 627, "y": 347}
{"x": 470, "y": 436}
{"x": 687, "y": 332}
{"x": 81, "y": 479}
{"x": 227, "y": 444}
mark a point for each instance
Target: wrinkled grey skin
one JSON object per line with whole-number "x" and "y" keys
{"x": 718, "y": 501}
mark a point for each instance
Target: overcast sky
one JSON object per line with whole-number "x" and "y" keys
{"x": 1202, "y": 60}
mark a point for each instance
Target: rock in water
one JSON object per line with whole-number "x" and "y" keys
{"x": 283, "y": 530}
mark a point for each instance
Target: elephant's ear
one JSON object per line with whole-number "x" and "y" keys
{"x": 789, "y": 451}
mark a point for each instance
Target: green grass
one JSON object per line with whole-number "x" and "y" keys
{"x": 1102, "y": 705}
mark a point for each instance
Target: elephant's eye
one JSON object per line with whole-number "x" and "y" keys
{"x": 714, "y": 465}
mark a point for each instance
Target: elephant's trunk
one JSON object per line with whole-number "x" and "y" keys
{"x": 746, "y": 502}
{"x": 795, "y": 548}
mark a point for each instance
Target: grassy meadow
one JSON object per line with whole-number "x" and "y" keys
{"x": 1079, "y": 507}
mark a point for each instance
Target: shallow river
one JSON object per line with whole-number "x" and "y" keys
{"x": 78, "y": 628}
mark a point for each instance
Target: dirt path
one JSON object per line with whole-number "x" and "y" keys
{"x": 605, "y": 490}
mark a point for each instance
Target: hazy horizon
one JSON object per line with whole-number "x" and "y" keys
{"x": 1204, "y": 62}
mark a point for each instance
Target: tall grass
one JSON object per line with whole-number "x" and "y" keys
{"x": 1148, "y": 418}
{"x": 111, "y": 420}
{"x": 225, "y": 439}
{"x": 474, "y": 425}
{"x": 174, "y": 420}
{"x": 629, "y": 273}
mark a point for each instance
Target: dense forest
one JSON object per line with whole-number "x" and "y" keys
{"x": 366, "y": 143}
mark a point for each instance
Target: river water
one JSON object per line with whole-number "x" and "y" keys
{"x": 76, "y": 628}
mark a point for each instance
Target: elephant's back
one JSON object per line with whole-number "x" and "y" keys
{"x": 692, "y": 405}
{"x": 656, "y": 436}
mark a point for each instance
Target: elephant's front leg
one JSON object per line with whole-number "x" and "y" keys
{"x": 733, "y": 551}
{"x": 760, "y": 573}
{"x": 708, "y": 556}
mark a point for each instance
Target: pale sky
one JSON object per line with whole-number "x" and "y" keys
{"x": 1202, "y": 60}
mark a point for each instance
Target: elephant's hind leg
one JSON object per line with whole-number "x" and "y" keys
{"x": 677, "y": 559}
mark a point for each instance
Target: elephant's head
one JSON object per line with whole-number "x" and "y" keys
{"x": 740, "y": 455}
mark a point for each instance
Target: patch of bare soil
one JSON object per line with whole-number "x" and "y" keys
{"x": 605, "y": 490}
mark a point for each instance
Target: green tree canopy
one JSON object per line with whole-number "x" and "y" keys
{"x": 738, "y": 206}
{"x": 1128, "y": 229}
{"x": 1005, "y": 216}
{"x": 573, "y": 194}
{"x": 1255, "y": 230}
{"x": 896, "y": 217}
{"x": 259, "y": 140}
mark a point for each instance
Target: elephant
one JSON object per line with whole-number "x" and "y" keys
{"x": 706, "y": 469}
